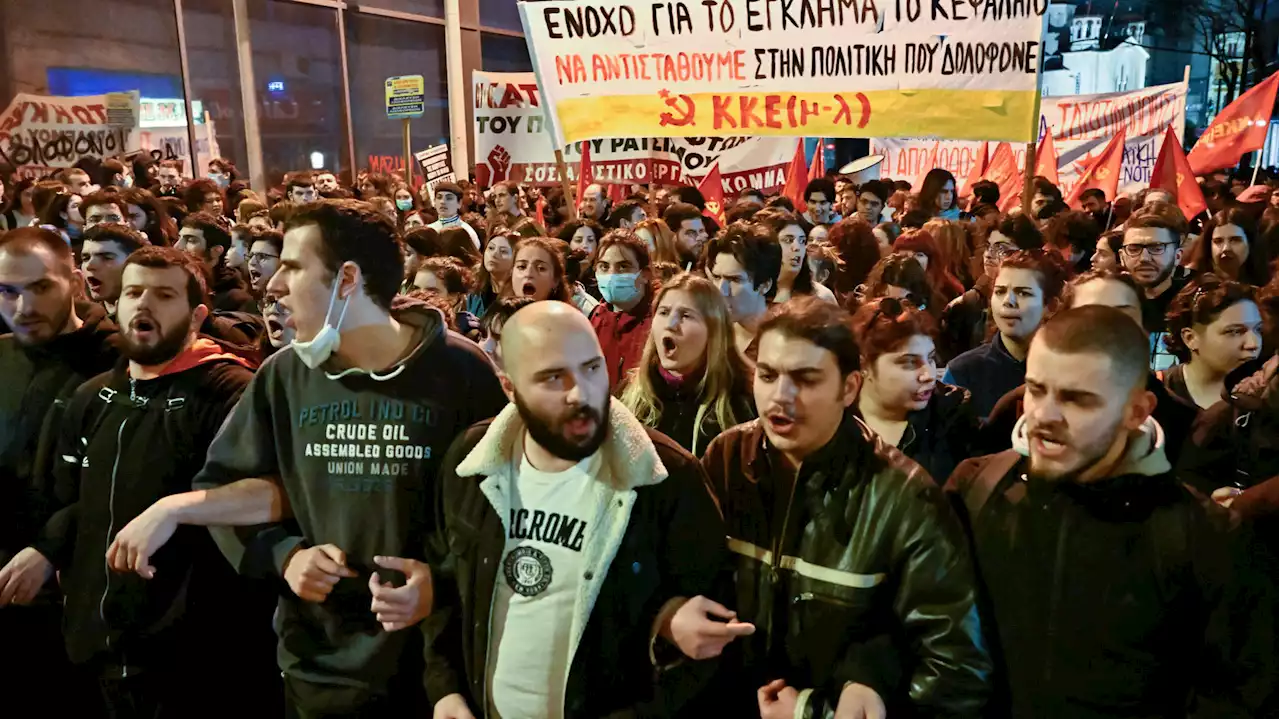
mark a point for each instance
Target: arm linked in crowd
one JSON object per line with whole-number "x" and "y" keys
{"x": 357, "y": 447}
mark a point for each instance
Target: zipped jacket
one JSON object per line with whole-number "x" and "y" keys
{"x": 126, "y": 443}
{"x": 856, "y": 572}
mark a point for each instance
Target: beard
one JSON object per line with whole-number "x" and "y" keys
{"x": 1089, "y": 455}
{"x": 549, "y": 433}
{"x": 55, "y": 324}
{"x": 168, "y": 345}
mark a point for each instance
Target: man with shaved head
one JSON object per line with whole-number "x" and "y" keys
{"x": 584, "y": 544}
{"x": 1102, "y": 571}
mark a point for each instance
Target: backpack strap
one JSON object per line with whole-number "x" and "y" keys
{"x": 992, "y": 477}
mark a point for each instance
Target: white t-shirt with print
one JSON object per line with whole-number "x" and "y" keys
{"x": 538, "y": 583}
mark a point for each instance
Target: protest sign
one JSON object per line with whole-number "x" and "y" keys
{"x": 435, "y": 165}
{"x": 957, "y": 69}
{"x": 1081, "y": 125}
{"x": 513, "y": 143}
{"x": 40, "y": 133}
{"x": 406, "y": 96}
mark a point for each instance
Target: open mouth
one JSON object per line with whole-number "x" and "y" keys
{"x": 529, "y": 289}
{"x": 254, "y": 276}
{"x": 1046, "y": 445}
{"x": 94, "y": 284}
{"x": 143, "y": 328}
{"x": 781, "y": 423}
{"x": 923, "y": 395}
{"x": 275, "y": 328}
{"x": 668, "y": 347}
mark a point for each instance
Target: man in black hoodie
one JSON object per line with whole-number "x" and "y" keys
{"x": 127, "y": 438}
{"x": 1103, "y": 574}
{"x": 346, "y": 427}
{"x": 204, "y": 239}
{"x": 52, "y": 351}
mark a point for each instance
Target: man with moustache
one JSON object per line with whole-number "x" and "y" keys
{"x": 582, "y": 545}
{"x": 1101, "y": 571}
{"x": 129, "y": 437}
{"x": 102, "y": 258}
{"x": 1151, "y": 253}
{"x": 328, "y": 465}
{"x": 846, "y": 554}
{"x": 51, "y": 351}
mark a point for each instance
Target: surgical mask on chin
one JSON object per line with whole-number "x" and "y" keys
{"x": 620, "y": 288}
{"x": 126, "y": 181}
{"x": 219, "y": 179}
{"x": 404, "y": 205}
{"x": 328, "y": 339}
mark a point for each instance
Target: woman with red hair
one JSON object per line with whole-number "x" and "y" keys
{"x": 858, "y": 252}
{"x": 930, "y": 257}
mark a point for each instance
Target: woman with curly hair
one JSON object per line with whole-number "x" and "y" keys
{"x": 204, "y": 196}
{"x": 1215, "y": 326}
{"x": 690, "y": 383}
{"x": 581, "y": 234}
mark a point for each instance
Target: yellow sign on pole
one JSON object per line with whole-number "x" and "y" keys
{"x": 406, "y": 96}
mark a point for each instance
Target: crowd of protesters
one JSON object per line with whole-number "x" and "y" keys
{"x": 361, "y": 448}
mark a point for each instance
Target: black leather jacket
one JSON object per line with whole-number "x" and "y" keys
{"x": 858, "y": 572}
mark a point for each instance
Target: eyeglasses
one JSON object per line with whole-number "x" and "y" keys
{"x": 267, "y": 304}
{"x": 891, "y": 308}
{"x": 261, "y": 257}
{"x": 1135, "y": 251}
{"x": 999, "y": 250}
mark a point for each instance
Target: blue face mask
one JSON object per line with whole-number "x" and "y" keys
{"x": 219, "y": 179}
{"x": 404, "y": 205}
{"x": 619, "y": 289}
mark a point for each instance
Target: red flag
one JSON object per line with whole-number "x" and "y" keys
{"x": 1003, "y": 170}
{"x": 540, "y": 211}
{"x": 1241, "y": 127}
{"x": 977, "y": 169}
{"x": 713, "y": 192}
{"x": 617, "y": 193}
{"x": 797, "y": 177}
{"x": 1103, "y": 174}
{"x": 1047, "y": 159}
{"x": 584, "y": 170}
{"x": 1173, "y": 173}
{"x": 818, "y": 169}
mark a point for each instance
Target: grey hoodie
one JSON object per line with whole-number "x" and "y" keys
{"x": 1144, "y": 455}
{"x": 357, "y": 456}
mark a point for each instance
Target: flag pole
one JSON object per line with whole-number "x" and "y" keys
{"x": 1257, "y": 165}
{"x": 570, "y": 203}
{"x": 1035, "y": 129}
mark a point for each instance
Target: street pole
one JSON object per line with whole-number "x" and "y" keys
{"x": 457, "y": 90}
{"x": 1035, "y": 133}
{"x": 249, "y": 92}
{"x": 186, "y": 90}
{"x": 408, "y": 154}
